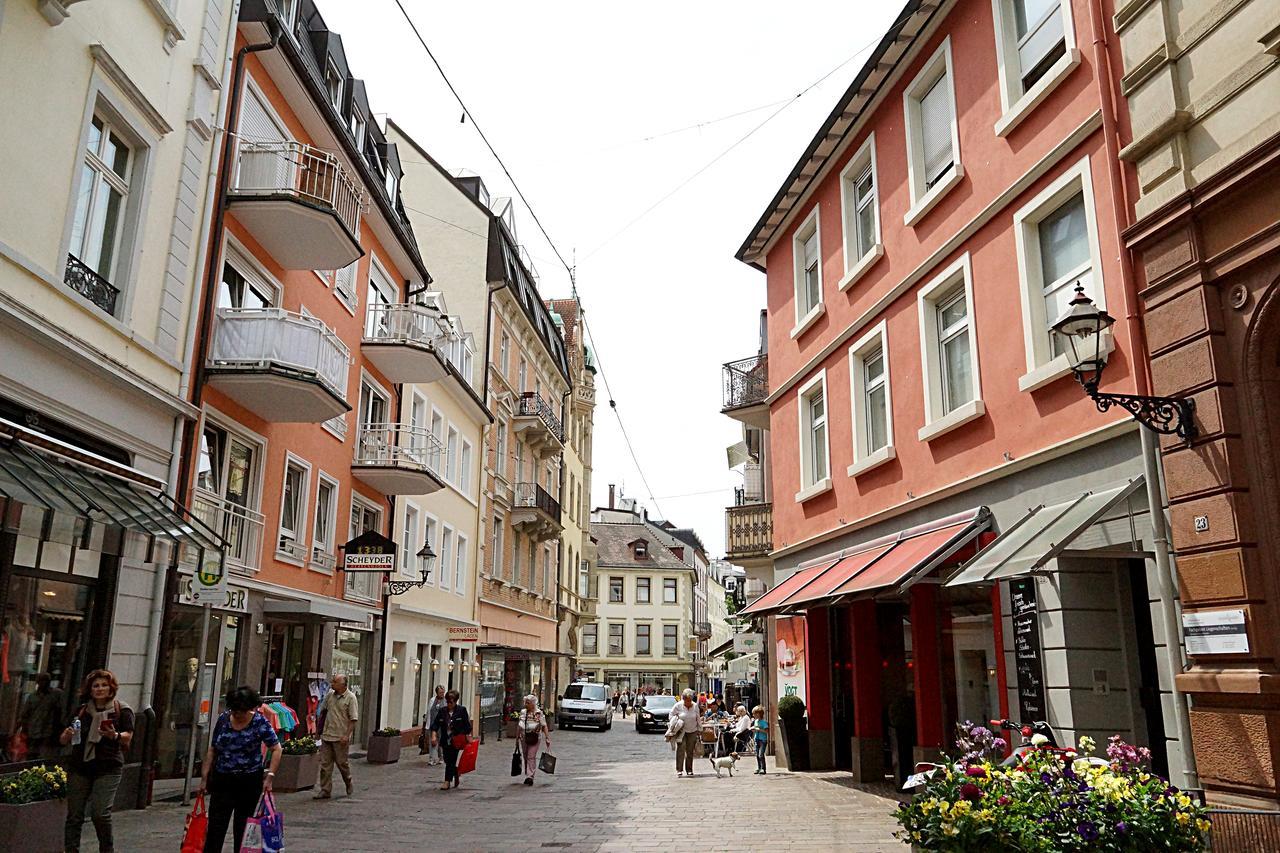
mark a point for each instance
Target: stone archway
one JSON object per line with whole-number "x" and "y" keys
{"x": 1261, "y": 430}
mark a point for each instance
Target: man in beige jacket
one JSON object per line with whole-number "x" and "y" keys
{"x": 340, "y": 710}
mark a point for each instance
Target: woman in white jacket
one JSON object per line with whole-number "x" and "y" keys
{"x": 687, "y": 736}
{"x": 533, "y": 730}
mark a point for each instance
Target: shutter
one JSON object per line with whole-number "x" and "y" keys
{"x": 263, "y": 164}
{"x": 935, "y": 131}
{"x": 256, "y": 124}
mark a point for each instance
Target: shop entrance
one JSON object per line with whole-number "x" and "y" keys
{"x": 189, "y": 690}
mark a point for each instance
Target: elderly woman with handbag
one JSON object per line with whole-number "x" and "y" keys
{"x": 451, "y": 730}
{"x": 533, "y": 730}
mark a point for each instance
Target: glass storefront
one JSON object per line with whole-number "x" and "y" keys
{"x": 491, "y": 692}
{"x": 194, "y": 698}
{"x": 351, "y": 657}
{"x": 45, "y": 633}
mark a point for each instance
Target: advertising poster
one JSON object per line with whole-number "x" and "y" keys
{"x": 790, "y": 657}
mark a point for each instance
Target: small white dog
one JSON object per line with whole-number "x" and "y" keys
{"x": 725, "y": 762}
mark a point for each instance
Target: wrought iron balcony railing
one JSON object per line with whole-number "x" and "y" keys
{"x": 84, "y": 281}
{"x": 749, "y": 530}
{"x": 532, "y": 404}
{"x": 534, "y": 496}
{"x": 746, "y": 382}
{"x": 293, "y": 168}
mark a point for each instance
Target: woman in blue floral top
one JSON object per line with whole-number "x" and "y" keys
{"x": 233, "y": 766}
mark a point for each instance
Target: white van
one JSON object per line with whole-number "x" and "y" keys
{"x": 585, "y": 703}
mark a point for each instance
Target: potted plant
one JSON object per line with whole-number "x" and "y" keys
{"x": 513, "y": 724}
{"x": 793, "y": 734}
{"x": 1052, "y": 800}
{"x": 299, "y": 764}
{"x": 33, "y": 809}
{"x": 384, "y": 746}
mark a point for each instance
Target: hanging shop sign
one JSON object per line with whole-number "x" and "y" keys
{"x": 790, "y": 660}
{"x": 1026, "y": 650}
{"x": 464, "y": 633}
{"x": 745, "y": 644}
{"x": 369, "y": 552}
{"x": 234, "y": 598}
{"x": 209, "y": 583}
{"x": 1215, "y": 632}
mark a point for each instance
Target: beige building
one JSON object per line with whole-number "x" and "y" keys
{"x": 112, "y": 112}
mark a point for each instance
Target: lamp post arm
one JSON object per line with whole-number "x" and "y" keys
{"x": 1165, "y": 415}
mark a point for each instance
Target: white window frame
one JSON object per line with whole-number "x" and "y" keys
{"x": 335, "y": 99}
{"x": 504, "y": 352}
{"x": 499, "y": 567}
{"x": 453, "y": 436}
{"x": 938, "y": 422}
{"x": 328, "y": 548}
{"x": 410, "y": 534}
{"x": 299, "y": 538}
{"x": 358, "y": 500}
{"x": 466, "y": 452}
{"x": 806, "y": 316}
{"x": 430, "y": 533}
{"x": 923, "y": 199}
{"x": 1016, "y": 103}
{"x": 857, "y": 263}
{"x": 500, "y": 460}
{"x": 461, "y": 555}
{"x": 357, "y": 124}
{"x": 864, "y": 459}
{"x": 438, "y": 419}
{"x": 810, "y": 485}
{"x": 1042, "y": 366}
{"x": 444, "y": 558}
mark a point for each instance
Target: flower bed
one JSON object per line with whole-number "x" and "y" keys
{"x": 1052, "y": 800}
{"x": 33, "y": 809}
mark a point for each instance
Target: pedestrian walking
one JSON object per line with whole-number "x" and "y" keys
{"x": 98, "y": 735}
{"x": 533, "y": 731}
{"x": 761, "y": 728}
{"x": 233, "y": 774}
{"x": 688, "y": 732}
{"x": 339, "y": 712}
{"x": 437, "y": 705}
{"x": 626, "y": 702}
{"x": 451, "y": 730}
{"x": 617, "y": 697}
{"x": 39, "y": 718}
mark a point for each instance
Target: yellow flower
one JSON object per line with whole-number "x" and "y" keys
{"x": 1202, "y": 824}
{"x": 1184, "y": 800}
{"x": 928, "y": 805}
{"x": 944, "y": 807}
{"x": 1183, "y": 818}
{"x": 1087, "y": 744}
{"x": 961, "y": 808}
{"x": 950, "y": 829}
{"x": 982, "y": 815}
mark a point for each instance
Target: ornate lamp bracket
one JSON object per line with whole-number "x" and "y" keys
{"x": 1165, "y": 415}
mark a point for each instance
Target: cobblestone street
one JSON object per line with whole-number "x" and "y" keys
{"x": 614, "y": 790}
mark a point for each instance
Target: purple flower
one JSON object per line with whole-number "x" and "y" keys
{"x": 971, "y": 792}
{"x": 1087, "y": 830}
{"x": 999, "y": 745}
{"x": 1003, "y": 800}
{"x": 976, "y": 772}
{"x": 978, "y": 732}
{"x": 1122, "y": 827}
{"x": 1046, "y": 778}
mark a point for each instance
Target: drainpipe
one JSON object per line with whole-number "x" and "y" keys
{"x": 158, "y": 597}
{"x": 1165, "y": 571}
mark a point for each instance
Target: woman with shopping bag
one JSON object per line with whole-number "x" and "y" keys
{"x": 452, "y": 730}
{"x": 234, "y": 775}
{"x": 533, "y": 731}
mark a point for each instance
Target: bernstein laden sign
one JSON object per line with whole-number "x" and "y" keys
{"x": 464, "y": 633}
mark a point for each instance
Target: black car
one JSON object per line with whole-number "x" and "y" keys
{"x": 654, "y": 713}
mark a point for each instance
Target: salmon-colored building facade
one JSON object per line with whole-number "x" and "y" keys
{"x": 930, "y": 453}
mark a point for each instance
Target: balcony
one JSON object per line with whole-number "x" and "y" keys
{"x": 407, "y": 342}
{"x": 749, "y": 531}
{"x": 84, "y": 281}
{"x": 535, "y": 513}
{"x": 537, "y": 423}
{"x": 298, "y": 202}
{"x": 284, "y": 367}
{"x": 239, "y": 526}
{"x": 702, "y": 630}
{"x": 398, "y": 460}
{"x": 746, "y": 387}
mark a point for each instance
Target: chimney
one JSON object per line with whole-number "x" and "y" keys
{"x": 611, "y": 490}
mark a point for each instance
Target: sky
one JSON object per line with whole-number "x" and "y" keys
{"x": 600, "y": 111}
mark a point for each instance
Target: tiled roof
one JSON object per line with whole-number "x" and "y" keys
{"x": 614, "y": 546}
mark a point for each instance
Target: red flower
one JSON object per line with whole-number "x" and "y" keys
{"x": 971, "y": 792}
{"x": 976, "y": 772}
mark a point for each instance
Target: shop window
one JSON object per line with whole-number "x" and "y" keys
{"x": 589, "y": 639}
{"x": 670, "y": 640}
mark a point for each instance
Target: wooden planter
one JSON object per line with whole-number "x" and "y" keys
{"x": 297, "y": 772}
{"x": 513, "y": 728}
{"x": 34, "y": 827}
{"x": 384, "y": 749}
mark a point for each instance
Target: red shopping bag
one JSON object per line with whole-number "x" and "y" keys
{"x": 470, "y": 753}
{"x": 197, "y": 827}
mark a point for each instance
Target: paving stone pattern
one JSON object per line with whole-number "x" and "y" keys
{"x": 613, "y": 790}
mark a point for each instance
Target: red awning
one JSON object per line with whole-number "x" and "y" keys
{"x": 877, "y": 565}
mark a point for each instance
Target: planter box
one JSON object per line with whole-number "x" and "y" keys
{"x": 512, "y": 729}
{"x": 35, "y": 827}
{"x": 384, "y": 749}
{"x": 297, "y": 772}
{"x": 794, "y": 741}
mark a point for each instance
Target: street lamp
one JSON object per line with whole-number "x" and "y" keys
{"x": 428, "y": 558}
{"x": 1080, "y": 330}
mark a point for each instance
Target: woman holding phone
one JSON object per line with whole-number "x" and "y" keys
{"x": 98, "y": 735}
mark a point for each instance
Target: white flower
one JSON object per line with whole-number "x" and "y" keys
{"x": 1039, "y": 740}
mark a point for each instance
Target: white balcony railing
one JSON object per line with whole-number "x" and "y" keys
{"x": 272, "y": 337}
{"x": 406, "y": 323}
{"x": 240, "y": 526}
{"x": 292, "y": 168}
{"x": 398, "y": 446}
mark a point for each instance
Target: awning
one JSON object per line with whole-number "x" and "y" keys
{"x": 893, "y": 561}
{"x": 321, "y": 607}
{"x": 1040, "y": 535}
{"x": 726, "y": 646}
{"x": 86, "y": 505}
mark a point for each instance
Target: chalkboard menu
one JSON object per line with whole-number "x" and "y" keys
{"x": 1026, "y": 650}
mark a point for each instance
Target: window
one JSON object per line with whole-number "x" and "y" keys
{"x": 238, "y": 290}
{"x": 642, "y": 640}
{"x": 1035, "y": 50}
{"x": 670, "y": 640}
{"x": 437, "y": 430}
{"x": 333, "y": 85}
{"x": 533, "y": 566}
{"x": 364, "y": 517}
{"x": 872, "y": 415}
{"x": 589, "y": 639}
{"x": 288, "y": 9}
{"x": 451, "y": 457}
{"x": 293, "y": 512}
{"x": 519, "y": 461}
{"x": 615, "y": 591}
{"x": 644, "y": 594}
{"x": 948, "y": 353}
{"x": 524, "y": 375}
{"x": 616, "y": 641}
{"x": 409, "y": 546}
{"x": 445, "y": 560}
{"x": 504, "y": 349}
{"x": 460, "y": 565}
{"x": 1057, "y": 243}
{"x": 859, "y": 199}
{"x": 814, "y": 457}
{"x": 933, "y": 137}
{"x": 344, "y": 286}
{"x": 429, "y": 537}
{"x": 547, "y": 575}
{"x": 357, "y": 126}
{"x": 391, "y": 183}
{"x": 464, "y": 468}
{"x": 322, "y": 554}
{"x": 382, "y": 294}
{"x": 641, "y": 550}
{"x": 227, "y": 492}
{"x": 499, "y": 558}
{"x": 500, "y": 449}
{"x": 808, "y": 273}
{"x": 103, "y": 199}
{"x": 669, "y": 591}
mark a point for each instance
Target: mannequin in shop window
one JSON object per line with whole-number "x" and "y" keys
{"x": 182, "y": 708}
